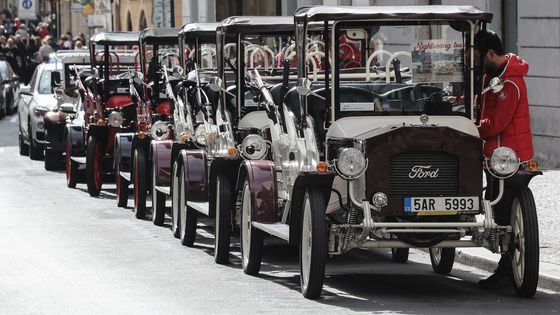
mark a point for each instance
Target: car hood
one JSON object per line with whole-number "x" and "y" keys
{"x": 44, "y": 100}
{"x": 364, "y": 127}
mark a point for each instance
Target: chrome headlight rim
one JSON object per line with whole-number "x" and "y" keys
{"x": 159, "y": 130}
{"x": 348, "y": 172}
{"x": 254, "y": 147}
{"x": 40, "y": 111}
{"x": 200, "y": 136}
{"x": 115, "y": 119}
{"x": 504, "y": 162}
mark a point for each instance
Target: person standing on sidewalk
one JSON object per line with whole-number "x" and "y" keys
{"x": 505, "y": 122}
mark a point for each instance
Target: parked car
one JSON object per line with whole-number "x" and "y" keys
{"x": 66, "y": 93}
{"x": 133, "y": 154}
{"x": 35, "y": 100}
{"x": 401, "y": 165}
{"x": 9, "y": 89}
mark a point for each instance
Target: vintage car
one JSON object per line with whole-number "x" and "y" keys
{"x": 34, "y": 101}
{"x": 108, "y": 105}
{"x": 205, "y": 177}
{"x": 65, "y": 89}
{"x": 386, "y": 157}
{"x": 197, "y": 42}
{"x": 158, "y": 50}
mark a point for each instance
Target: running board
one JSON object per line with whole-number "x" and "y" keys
{"x": 201, "y": 207}
{"x": 280, "y": 230}
{"x": 164, "y": 189}
{"x": 125, "y": 175}
{"x": 79, "y": 159}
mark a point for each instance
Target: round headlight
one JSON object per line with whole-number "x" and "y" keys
{"x": 199, "y": 135}
{"x": 159, "y": 131}
{"x": 115, "y": 119}
{"x": 254, "y": 147}
{"x": 504, "y": 161}
{"x": 351, "y": 163}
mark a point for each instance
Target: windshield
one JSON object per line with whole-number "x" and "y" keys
{"x": 399, "y": 69}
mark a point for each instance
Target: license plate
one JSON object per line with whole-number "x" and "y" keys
{"x": 441, "y": 205}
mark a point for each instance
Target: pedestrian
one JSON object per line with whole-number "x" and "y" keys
{"x": 51, "y": 42}
{"x": 45, "y": 50}
{"x": 78, "y": 45}
{"x": 31, "y": 66}
{"x": 504, "y": 122}
{"x": 11, "y": 54}
{"x": 32, "y": 47}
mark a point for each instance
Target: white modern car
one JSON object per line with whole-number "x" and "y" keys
{"x": 34, "y": 101}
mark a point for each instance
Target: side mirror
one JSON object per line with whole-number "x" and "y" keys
{"x": 55, "y": 78}
{"x": 26, "y": 89}
{"x": 303, "y": 86}
{"x": 215, "y": 84}
{"x": 67, "y": 108}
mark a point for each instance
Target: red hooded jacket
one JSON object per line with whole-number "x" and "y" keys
{"x": 505, "y": 115}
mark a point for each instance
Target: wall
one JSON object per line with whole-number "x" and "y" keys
{"x": 539, "y": 44}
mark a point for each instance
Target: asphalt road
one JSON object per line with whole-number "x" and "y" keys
{"x": 63, "y": 252}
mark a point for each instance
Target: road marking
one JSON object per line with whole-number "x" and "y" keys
{"x": 14, "y": 118}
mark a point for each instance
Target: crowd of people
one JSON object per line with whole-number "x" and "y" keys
{"x": 24, "y": 46}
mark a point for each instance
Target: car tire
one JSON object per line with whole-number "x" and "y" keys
{"x": 400, "y": 255}
{"x": 52, "y": 160}
{"x": 187, "y": 214}
{"x": 140, "y": 182}
{"x": 158, "y": 202}
{"x": 122, "y": 188}
{"x": 442, "y": 259}
{"x": 313, "y": 243}
{"x": 71, "y": 168}
{"x": 23, "y": 147}
{"x": 251, "y": 237}
{"x": 223, "y": 209}
{"x": 94, "y": 166}
{"x": 525, "y": 252}
{"x": 175, "y": 207}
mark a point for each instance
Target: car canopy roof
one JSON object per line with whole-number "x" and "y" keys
{"x": 257, "y": 24}
{"x": 400, "y": 13}
{"x": 72, "y": 56}
{"x": 159, "y": 36}
{"x": 115, "y": 38}
{"x": 206, "y": 30}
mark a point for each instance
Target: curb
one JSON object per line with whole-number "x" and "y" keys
{"x": 549, "y": 274}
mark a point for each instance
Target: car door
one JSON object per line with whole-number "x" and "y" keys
{"x": 25, "y": 97}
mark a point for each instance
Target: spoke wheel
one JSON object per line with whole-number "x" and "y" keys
{"x": 313, "y": 244}
{"x": 140, "y": 181}
{"x": 251, "y": 238}
{"x": 71, "y": 168}
{"x": 223, "y": 218}
{"x": 525, "y": 252}
{"x": 187, "y": 214}
{"x": 175, "y": 206}
{"x": 94, "y": 166}
{"x": 442, "y": 259}
{"x": 400, "y": 255}
{"x": 158, "y": 201}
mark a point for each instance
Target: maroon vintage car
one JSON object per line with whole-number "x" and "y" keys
{"x": 376, "y": 154}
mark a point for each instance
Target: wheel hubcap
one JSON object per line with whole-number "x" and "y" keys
{"x": 246, "y": 224}
{"x": 217, "y": 215}
{"x": 518, "y": 258}
{"x": 436, "y": 254}
{"x": 182, "y": 206}
{"x": 97, "y": 166}
{"x": 175, "y": 198}
{"x": 306, "y": 240}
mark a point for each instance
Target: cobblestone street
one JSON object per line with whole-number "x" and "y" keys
{"x": 546, "y": 190}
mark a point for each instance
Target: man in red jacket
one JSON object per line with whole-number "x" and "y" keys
{"x": 504, "y": 123}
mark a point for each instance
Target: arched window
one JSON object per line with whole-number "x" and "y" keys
{"x": 128, "y": 22}
{"x": 143, "y": 21}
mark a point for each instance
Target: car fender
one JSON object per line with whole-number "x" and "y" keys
{"x": 261, "y": 176}
{"x": 123, "y": 151}
{"x": 196, "y": 180}
{"x": 322, "y": 181}
{"x": 74, "y": 134}
{"x": 160, "y": 155}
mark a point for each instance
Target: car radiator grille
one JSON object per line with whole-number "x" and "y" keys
{"x": 425, "y": 183}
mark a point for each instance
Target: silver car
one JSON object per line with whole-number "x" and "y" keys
{"x": 34, "y": 101}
